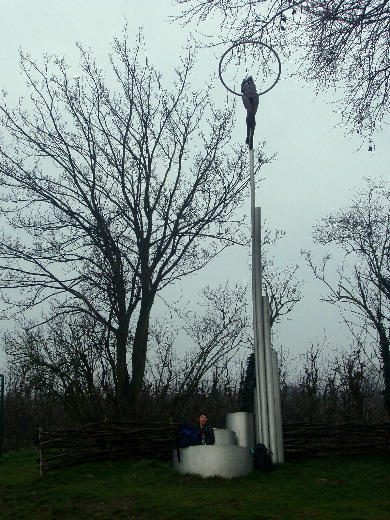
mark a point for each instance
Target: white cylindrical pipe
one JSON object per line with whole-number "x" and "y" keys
{"x": 258, "y": 432}
{"x": 256, "y": 302}
{"x": 214, "y": 461}
{"x": 243, "y": 425}
{"x": 269, "y": 378}
{"x": 261, "y": 382}
{"x": 225, "y": 437}
{"x": 252, "y": 183}
{"x": 278, "y": 408}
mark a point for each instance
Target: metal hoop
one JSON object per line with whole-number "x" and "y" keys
{"x": 255, "y": 43}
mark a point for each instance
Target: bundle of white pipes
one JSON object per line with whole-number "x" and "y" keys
{"x": 268, "y": 416}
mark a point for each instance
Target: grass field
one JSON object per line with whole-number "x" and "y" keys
{"x": 342, "y": 488}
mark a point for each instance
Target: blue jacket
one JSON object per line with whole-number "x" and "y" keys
{"x": 208, "y": 434}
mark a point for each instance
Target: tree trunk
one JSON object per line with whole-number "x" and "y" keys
{"x": 122, "y": 374}
{"x": 139, "y": 351}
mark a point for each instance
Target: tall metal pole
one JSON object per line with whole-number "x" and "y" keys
{"x": 258, "y": 328}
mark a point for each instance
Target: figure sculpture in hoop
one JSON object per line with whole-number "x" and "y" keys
{"x": 250, "y": 98}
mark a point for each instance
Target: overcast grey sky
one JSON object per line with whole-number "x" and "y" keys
{"x": 317, "y": 165}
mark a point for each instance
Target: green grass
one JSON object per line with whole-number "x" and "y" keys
{"x": 342, "y": 488}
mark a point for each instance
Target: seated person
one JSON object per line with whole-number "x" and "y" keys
{"x": 204, "y": 431}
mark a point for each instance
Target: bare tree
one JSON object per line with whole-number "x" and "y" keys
{"x": 215, "y": 333}
{"x": 362, "y": 231}
{"x": 67, "y": 361}
{"x": 283, "y": 289}
{"x": 108, "y": 200}
{"x": 331, "y": 40}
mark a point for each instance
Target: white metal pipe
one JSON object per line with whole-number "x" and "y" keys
{"x": 262, "y": 381}
{"x": 252, "y": 184}
{"x": 278, "y": 408}
{"x": 242, "y": 423}
{"x": 258, "y": 432}
{"x": 257, "y": 328}
{"x": 269, "y": 378}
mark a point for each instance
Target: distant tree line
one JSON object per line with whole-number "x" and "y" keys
{"x": 324, "y": 390}
{"x": 347, "y": 387}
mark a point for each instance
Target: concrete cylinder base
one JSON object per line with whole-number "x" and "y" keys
{"x": 212, "y": 461}
{"x": 243, "y": 424}
{"x": 225, "y": 437}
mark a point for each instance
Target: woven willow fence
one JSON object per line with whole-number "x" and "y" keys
{"x": 303, "y": 440}
{"x": 108, "y": 440}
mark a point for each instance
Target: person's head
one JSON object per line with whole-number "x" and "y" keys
{"x": 202, "y": 419}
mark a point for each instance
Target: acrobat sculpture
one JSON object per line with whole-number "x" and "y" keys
{"x": 250, "y": 98}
